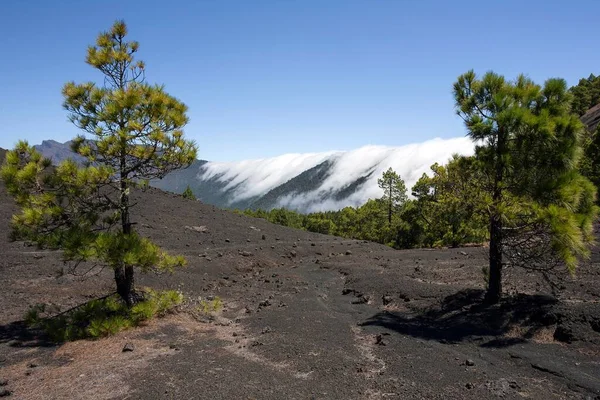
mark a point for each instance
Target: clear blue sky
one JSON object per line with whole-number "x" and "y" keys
{"x": 262, "y": 78}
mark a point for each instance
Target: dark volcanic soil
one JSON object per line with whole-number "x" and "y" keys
{"x": 305, "y": 316}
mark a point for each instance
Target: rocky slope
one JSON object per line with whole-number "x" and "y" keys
{"x": 305, "y": 316}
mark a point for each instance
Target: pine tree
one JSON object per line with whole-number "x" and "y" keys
{"x": 528, "y": 146}
{"x": 586, "y": 94}
{"x": 394, "y": 192}
{"x": 134, "y": 134}
{"x": 451, "y": 203}
{"x": 188, "y": 194}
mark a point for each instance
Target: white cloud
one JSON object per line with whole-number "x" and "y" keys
{"x": 257, "y": 177}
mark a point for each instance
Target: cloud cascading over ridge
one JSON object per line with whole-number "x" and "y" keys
{"x": 253, "y": 178}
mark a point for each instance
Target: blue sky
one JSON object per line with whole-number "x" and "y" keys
{"x": 263, "y": 78}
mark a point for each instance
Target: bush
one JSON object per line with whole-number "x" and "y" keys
{"x": 209, "y": 306}
{"x": 188, "y": 194}
{"x": 101, "y": 317}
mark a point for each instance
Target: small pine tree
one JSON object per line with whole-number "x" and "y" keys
{"x": 394, "y": 192}
{"x": 135, "y": 134}
{"x": 188, "y": 194}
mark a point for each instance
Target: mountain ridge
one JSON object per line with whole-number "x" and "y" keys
{"x": 302, "y": 182}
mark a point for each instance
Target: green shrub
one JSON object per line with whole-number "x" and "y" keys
{"x": 108, "y": 326}
{"x": 188, "y": 194}
{"x": 209, "y": 306}
{"x": 101, "y": 317}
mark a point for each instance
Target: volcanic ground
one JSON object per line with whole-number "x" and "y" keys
{"x": 304, "y": 316}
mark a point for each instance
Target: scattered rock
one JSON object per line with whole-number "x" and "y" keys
{"x": 5, "y": 393}
{"x": 500, "y": 388}
{"x": 361, "y": 300}
{"x": 202, "y": 229}
{"x": 469, "y": 362}
{"x": 266, "y": 329}
{"x": 564, "y": 333}
{"x": 208, "y": 259}
{"x": 264, "y": 303}
{"x": 462, "y": 253}
{"x": 264, "y": 237}
{"x": 293, "y": 253}
{"x": 313, "y": 245}
{"x": 348, "y": 253}
{"x": 3, "y": 382}
{"x": 227, "y": 241}
{"x": 256, "y": 343}
{"x": 245, "y": 253}
{"x": 248, "y": 240}
{"x": 387, "y": 300}
{"x": 379, "y": 340}
{"x": 219, "y": 254}
{"x": 469, "y": 385}
{"x": 128, "y": 347}
{"x": 32, "y": 365}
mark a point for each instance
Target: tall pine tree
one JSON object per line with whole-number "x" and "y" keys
{"x": 528, "y": 146}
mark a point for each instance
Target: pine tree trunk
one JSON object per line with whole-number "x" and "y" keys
{"x": 495, "y": 278}
{"x": 390, "y": 207}
{"x": 496, "y": 240}
{"x": 125, "y": 285}
{"x": 124, "y": 273}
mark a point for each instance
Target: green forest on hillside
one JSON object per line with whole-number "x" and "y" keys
{"x": 448, "y": 205}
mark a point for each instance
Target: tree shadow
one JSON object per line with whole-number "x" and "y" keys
{"x": 464, "y": 316}
{"x": 18, "y": 334}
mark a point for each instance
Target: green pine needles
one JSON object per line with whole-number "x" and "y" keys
{"x": 101, "y": 317}
{"x": 540, "y": 209}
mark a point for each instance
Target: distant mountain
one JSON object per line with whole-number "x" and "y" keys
{"x": 311, "y": 182}
{"x": 57, "y": 151}
{"x": 304, "y": 182}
